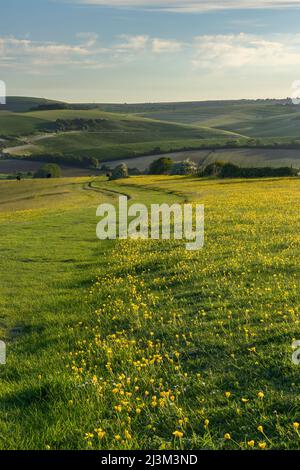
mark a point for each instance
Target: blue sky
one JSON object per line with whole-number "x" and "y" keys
{"x": 142, "y": 50}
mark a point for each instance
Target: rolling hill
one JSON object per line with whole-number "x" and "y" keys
{"x": 102, "y": 135}
{"x": 20, "y": 104}
{"x": 118, "y": 131}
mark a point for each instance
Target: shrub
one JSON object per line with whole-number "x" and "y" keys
{"x": 121, "y": 171}
{"x": 213, "y": 169}
{"x": 50, "y": 170}
{"x": 186, "y": 167}
{"x": 161, "y": 166}
{"x": 229, "y": 170}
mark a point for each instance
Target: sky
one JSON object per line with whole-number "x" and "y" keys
{"x": 118, "y": 51}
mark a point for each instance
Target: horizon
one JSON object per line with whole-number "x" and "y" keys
{"x": 124, "y": 103}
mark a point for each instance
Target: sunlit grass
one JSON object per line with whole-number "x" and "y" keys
{"x": 132, "y": 344}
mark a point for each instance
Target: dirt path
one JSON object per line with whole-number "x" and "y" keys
{"x": 28, "y": 146}
{"x": 110, "y": 192}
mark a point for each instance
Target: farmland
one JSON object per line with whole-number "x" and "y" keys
{"x": 134, "y": 344}
{"x": 119, "y": 135}
{"x": 265, "y": 132}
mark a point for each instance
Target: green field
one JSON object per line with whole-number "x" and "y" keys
{"x": 249, "y": 118}
{"x": 129, "y": 131}
{"x": 120, "y": 344}
{"x": 121, "y": 135}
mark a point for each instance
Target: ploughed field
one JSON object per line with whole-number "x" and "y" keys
{"x": 143, "y": 344}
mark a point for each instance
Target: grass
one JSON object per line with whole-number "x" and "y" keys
{"x": 122, "y": 135}
{"x": 13, "y": 124}
{"x": 120, "y": 345}
{"x": 253, "y": 119}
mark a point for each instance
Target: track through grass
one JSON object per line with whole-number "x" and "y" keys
{"x": 142, "y": 344}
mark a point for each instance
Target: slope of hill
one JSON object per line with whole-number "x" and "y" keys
{"x": 18, "y": 124}
{"x": 104, "y": 135}
{"x": 20, "y": 104}
{"x": 118, "y": 131}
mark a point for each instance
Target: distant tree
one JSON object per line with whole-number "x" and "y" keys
{"x": 161, "y": 166}
{"x": 186, "y": 167}
{"x": 213, "y": 169}
{"x": 229, "y": 170}
{"x": 94, "y": 162}
{"x": 121, "y": 171}
{"x": 49, "y": 170}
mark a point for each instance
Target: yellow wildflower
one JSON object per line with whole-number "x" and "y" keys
{"x": 178, "y": 434}
{"x": 100, "y": 433}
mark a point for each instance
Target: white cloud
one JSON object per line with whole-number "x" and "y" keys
{"x": 90, "y": 39}
{"x": 194, "y": 5}
{"x": 132, "y": 43}
{"x": 164, "y": 45}
{"x": 203, "y": 52}
{"x": 25, "y": 53}
{"x": 223, "y": 51}
{"x": 19, "y": 47}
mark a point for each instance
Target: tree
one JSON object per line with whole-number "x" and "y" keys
{"x": 49, "y": 170}
{"x": 94, "y": 163}
{"x": 229, "y": 170}
{"x": 213, "y": 169}
{"x": 121, "y": 171}
{"x": 186, "y": 167}
{"x": 161, "y": 166}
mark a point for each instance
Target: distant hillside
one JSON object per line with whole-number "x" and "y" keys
{"x": 21, "y": 104}
{"x": 77, "y": 132}
{"x": 78, "y": 135}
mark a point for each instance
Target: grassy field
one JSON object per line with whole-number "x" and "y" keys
{"x": 121, "y": 136}
{"x": 129, "y": 131}
{"x": 251, "y": 118}
{"x": 134, "y": 344}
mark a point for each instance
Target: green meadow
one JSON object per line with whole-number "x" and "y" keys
{"x": 143, "y": 344}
